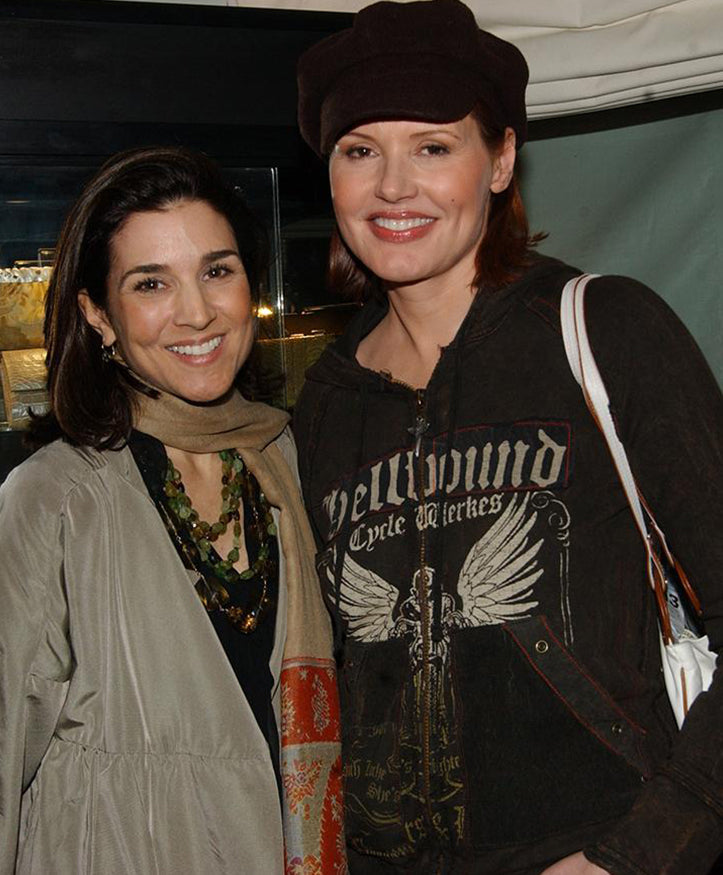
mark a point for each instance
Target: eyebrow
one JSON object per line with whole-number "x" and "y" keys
{"x": 143, "y": 268}
{"x": 160, "y": 268}
{"x": 219, "y": 253}
{"x": 419, "y": 135}
{"x": 430, "y": 131}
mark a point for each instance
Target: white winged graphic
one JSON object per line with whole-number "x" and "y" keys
{"x": 495, "y": 584}
{"x": 367, "y": 601}
{"x": 497, "y": 577}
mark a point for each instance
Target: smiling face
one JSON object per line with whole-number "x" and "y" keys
{"x": 411, "y": 198}
{"x": 179, "y": 303}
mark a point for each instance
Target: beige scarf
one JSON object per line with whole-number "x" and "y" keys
{"x": 232, "y": 421}
{"x": 310, "y": 727}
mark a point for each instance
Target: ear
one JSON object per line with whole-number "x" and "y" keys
{"x": 503, "y": 164}
{"x": 96, "y": 318}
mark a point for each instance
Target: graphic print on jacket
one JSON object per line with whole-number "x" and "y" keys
{"x": 411, "y": 575}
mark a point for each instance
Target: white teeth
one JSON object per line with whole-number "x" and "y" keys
{"x": 400, "y": 224}
{"x": 198, "y": 349}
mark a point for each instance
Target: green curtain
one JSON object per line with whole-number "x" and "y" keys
{"x": 644, "y": 200}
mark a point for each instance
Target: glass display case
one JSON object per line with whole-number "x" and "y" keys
{"x": 34, "y": 201}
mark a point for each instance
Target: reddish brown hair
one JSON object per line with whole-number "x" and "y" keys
{"x": 503, "y": 254}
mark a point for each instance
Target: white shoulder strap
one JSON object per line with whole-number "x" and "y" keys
{"x": 585, "y": 371}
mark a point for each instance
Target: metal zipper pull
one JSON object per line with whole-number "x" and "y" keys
{"x": 420, "y": 424}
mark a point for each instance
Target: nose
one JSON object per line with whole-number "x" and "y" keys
{"x": 194, "y": 307}
{"x": 396, "y": 179}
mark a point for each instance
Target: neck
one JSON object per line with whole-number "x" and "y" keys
{"x": 422, "y": 319}
{"x": 429, "y": 312}
{"x": 201, "y": 464}
{"x": 428, "y": 318}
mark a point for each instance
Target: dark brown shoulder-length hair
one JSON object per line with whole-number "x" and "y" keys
{"x": 90, "y": 399}
{"x": 502, "y": 256}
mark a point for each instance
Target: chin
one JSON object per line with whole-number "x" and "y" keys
{"x": 399, "y": 274}
{"x": 199, "y": 394}
{"x": 198, "y": 385}
{"x": 204, "y": 397}
{"x": 401, "y": 278}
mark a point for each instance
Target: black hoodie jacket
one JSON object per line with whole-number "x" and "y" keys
{"x": 502, "y": 698}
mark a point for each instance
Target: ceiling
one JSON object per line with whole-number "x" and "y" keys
{"x": 588, "y": 54}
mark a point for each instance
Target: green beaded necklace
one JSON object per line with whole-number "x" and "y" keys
{"x": 235, "y": 482}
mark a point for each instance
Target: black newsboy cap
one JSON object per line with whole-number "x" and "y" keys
{"x": 424, "y": 60}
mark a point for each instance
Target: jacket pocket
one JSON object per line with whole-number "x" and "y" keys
{"x": 370, "y": 684}
{"x": 546, "y": 748}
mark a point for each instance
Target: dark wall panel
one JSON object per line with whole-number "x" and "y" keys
{"x": 106, "y": 75}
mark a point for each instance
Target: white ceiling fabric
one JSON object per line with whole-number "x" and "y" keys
{"x": 590, "y": 54}
{"x": 597, "y": 54}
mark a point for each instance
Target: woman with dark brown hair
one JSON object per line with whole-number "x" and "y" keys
{"x": 503, "y": 708}
{"x": 160, "y": 609}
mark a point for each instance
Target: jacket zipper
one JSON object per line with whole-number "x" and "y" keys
{"x": 420, "y": 426}
{"x": 417, "y": 431}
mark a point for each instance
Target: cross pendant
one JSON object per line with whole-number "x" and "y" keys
{"x": 418, "y": 429}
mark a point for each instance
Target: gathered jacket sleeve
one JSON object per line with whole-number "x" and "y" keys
{"x": 35, "y": 654}
{"x": 669, "y": 413}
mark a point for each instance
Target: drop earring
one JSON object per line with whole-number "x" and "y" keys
{"x": 107, "y": 353}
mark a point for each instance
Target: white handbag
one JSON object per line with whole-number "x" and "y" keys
{"x": 688, "y": 662}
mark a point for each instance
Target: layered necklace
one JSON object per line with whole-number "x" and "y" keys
{"x": 243, "y": 597}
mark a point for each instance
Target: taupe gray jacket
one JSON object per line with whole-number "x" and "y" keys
{"x": 126, "y": 743}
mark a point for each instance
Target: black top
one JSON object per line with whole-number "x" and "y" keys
{"x": 249, "y": 654}
{"x": 498, "y": 632}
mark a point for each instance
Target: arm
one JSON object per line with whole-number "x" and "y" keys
{"x": 34, "y": 654}
{"x": 669, "y": 412}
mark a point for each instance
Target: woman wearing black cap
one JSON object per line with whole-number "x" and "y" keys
{"x": 503, "y": 705}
